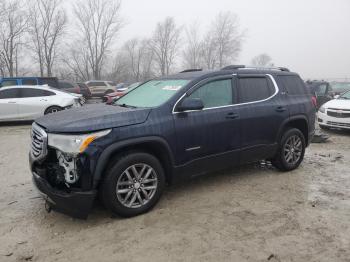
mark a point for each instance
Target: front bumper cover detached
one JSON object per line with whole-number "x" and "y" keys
{"x": 75, "y": 204}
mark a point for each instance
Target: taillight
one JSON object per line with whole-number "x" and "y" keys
{"x": 314, "y": 101}
{"x": 77, "y": 89}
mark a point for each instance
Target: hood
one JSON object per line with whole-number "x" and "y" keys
{"x": 92, "y": 118}
{"x": 338, "y": 104}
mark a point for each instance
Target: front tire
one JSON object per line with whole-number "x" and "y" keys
{"x": 291, "y": 150}
{"x": 133, "y": 185}
{"x": 53, "y": 109}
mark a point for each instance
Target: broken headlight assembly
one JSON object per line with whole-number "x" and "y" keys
{"x": 68, "y": 147}
{"x": 74, "y": 144}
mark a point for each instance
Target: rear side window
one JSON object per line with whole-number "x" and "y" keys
{"x": 215, "y": 94}
{"x": 96, "y": 84}
{"x": 32, "y": 92}
{"x": 9, "y": 93}
{"x": 65, "y": 85}
{"x": 49, "y": 81}
{"x": 293, "y": 85}
{"x": 254, "y": 89}
{"x": 29, "y": 82}
{"x": 9, "y": 83}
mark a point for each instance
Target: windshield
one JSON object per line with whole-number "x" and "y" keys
{"x": 152, "y": 93}
{"x": 341, "y": 87}
{"x": 345, "y": 96}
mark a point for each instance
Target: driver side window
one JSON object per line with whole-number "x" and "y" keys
{"x": 215, "y": 94}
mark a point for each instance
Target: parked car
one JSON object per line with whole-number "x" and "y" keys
{"x": 340, "y": 87}
{"x": 101, "y": 88}
{"x": 335, "y": 113}
{"x": 29, "y": 102}
{"x": 322, "y": 91}
{"x": 167, "y": 130}
{"x": 110, "y": 98}
{"x": 84, "y": 90}
{"x": 26, "y": 81}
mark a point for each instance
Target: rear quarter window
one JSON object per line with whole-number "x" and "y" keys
{"x": 252, "y": 89}
{"x": 293, "y": 85}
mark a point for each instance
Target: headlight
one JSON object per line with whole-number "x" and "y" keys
{"x": 322, "y": 109}
{"x": 74, "y": 144}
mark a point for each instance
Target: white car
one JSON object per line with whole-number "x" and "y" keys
{"x": 335, "y": 113}
{"x": 30, "y": 102}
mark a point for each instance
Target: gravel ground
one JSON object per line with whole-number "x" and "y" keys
{"x": 252, "y": 213}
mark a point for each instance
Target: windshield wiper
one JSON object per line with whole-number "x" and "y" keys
{"x": 126, "y": 106}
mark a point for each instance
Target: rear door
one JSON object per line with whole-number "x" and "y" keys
{"x": 8, "y": 104}
{"x": 33, "y": 102}
{"x": 262, "y": 111}
{"x": 209, "y": 139}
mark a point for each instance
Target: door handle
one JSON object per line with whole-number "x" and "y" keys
{"x": 11, "y": 102}
{"x": 232, "y": 115}
{"x": 281, "y": 109}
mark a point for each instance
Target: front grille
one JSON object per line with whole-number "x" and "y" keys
{"x": 38, "y": 142}
{"x": 338, "y": 114}
{"x": 338, "y": 124}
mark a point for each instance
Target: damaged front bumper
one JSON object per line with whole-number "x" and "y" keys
{"x": 73, "y": 202}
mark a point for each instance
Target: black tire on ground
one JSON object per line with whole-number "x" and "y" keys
{"x": 53, "y": 109}
{"x": 282, "y": 159}
{"x": 324, "y": 127}
{"x": 108, "y": 189}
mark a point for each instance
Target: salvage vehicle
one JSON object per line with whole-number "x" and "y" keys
{"x": 29, "y": 81}
{"x": 101, "y": 88}
{"x": 335, "y": 113}
{"x": 30, "y": 102}
{"x": 322, "y": 91}
{"x": 167, "y": 130}
{"x": 74, "y": 88}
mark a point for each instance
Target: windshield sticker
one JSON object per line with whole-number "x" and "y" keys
{"x": 171, "y": 88}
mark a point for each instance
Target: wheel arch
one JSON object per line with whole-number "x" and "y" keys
{"x": 156, "y": 146}
{"x": 48, "y": 107}
{"x": 300, "y": 122}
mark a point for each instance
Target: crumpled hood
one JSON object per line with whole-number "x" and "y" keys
{"x": 92, "y": 118}
{"x": 338, "y": 104}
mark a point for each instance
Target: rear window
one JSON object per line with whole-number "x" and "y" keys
{"x": 49, "y": 81}
{"x": 33, "y": 92}
{"x": 29, "y": 82}
{"x": 65, "y": 85}
{"x": 293, "y": 85}
{"x": 254, "y": 89}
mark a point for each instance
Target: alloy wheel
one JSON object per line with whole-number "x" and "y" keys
{"x": 137, "y": 185}
{"x": 293, "y": 149}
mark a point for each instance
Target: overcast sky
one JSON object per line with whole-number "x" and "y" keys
{"x": 311, "y": 37}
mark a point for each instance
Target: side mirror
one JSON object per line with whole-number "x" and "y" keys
{"x": 190, "y": 104}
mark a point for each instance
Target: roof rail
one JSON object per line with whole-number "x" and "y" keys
{"x": 233, "y": 67}
{"x": 284, "y": 69}
{"x": 191, "y": 70}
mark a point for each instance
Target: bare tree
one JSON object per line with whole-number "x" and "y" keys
{"x": 13, "y": 26}
{"x": 139, "y": 58}
{"x": 165, "y": 43}
{"x": 262, "y": 60}
{"x": 192, "y": 52}
{"x": 222, "y": 43}
{"x": 47, "y": 24}
{"x": 99, "y": 22}
{"x": 78, "y": 62}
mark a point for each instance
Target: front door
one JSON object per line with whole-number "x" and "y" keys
{"x": 8, "y": 104}
{"x": 209, "y": 139}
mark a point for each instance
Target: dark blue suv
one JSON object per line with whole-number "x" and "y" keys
{"x": 166, "y": 130}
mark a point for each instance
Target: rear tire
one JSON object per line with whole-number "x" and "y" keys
{"x": 133, "y": 185}
{"x": 53, "y": 109}
{"x": 291, "y": 150}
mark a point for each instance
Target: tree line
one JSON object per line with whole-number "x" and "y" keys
{"x": 43, "y": 37}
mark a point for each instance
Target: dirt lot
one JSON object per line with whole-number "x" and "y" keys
{"x": 253, "y": 213}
